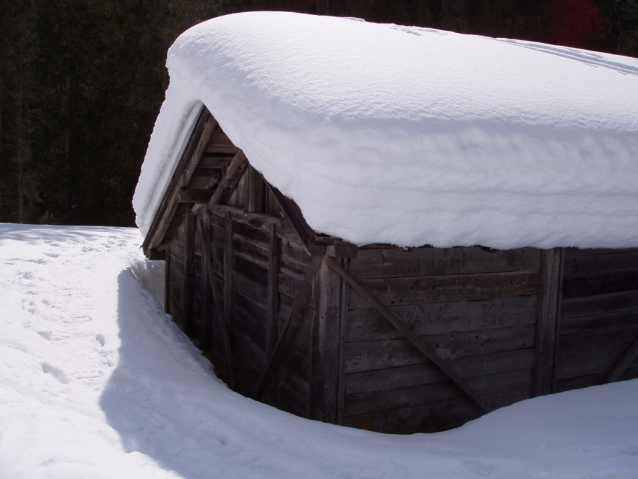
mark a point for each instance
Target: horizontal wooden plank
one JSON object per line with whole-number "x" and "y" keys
{"x": 368, "y": 356}
{"x": 575, "y": 366}
{"x": 288, "y": 286}
{"x": 250, "y": 319}
{"x": 436, "y": 318}
{"x": 612, "y": 321}
{"x": 256, "y": 291}
{"x": 250, "y": 270}
{"x": 598, "y": 342}
{"x": 600, "y": 263}
{"x": 394, "y": 262}
{"x": 424, "y": 289}
{"x": 600, "y": 304}
{"x": 216, "y": 160}
{"x": 576, "y": 252}
{"x": 177, "y": 250}
{"x": 604, "y": 283}
{"x": 250, "y": 250}
{"x": 422, "y": 394}
{"x": 429, "y": 417}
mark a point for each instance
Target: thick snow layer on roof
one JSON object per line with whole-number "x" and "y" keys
{"x": 412, "y": 136}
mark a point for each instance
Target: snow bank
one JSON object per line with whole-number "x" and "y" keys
{"x": 96, "y": 381}
{"x": 412, "y": 136}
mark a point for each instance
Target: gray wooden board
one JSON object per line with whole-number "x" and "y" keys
{"x": 423, "y": 289}
{"x": 426, "y": 372}
{"x": 394, "y": 262}
{"x": 256, "y": 291}
{"x": 603, "y": 283}
{"x": 585, "y": 365}
{"x": 436, "y": 318}
{"x": 612, "y": 321}
{"x": 251, "y": 250}
{"x": 250, "y": 270}
{"x": 492, "y": 386}
{"x": 576, "y": 252}
{"x": 371, "y": 355}
{"x": 599, "y": 342}
{"x": 293, "y": 393}
{"x": 599, "y": 305}
{"x": 287, "y": 285}
{"x": 600, "y": 263}
{"x": 249, "y": 318}
{"x": 431, "y": 417}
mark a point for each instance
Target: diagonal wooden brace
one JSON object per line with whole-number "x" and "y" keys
{"x": 400, "y": 326}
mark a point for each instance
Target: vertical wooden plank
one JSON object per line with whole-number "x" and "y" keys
{"x": 207, "y": 291}
{"x": 256, "y": 191}
{"x": 343, "y": 317}
{"x": 325, "y": 345}
{"x": 189, "y": 252}
{"x": 273, "y": 290}
{"x": 228, "y": 274}
{"x": 547, "y": 324}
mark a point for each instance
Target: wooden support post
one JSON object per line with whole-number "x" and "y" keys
{"x": 401, "y": 327}
{"x": 626, "y": 359}
{"x": 288, "y": 329}
{"x": 343, "y": 318}
{"x": 325, "y": 346}
{"x": 218, "y": 310}
{"x": 228, "y": 275}
{"x": 273, "y": 290}
{"x": 189, "y": 279}
{"x": 547, "y": 323}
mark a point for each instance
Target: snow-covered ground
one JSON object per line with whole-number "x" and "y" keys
{"x": 97, "y": 382}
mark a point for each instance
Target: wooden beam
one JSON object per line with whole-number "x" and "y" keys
{"x": 547, "y": 323}
{"x": 229, "y": 182}
{"x": 195, "y": 147}
{"x": 189, "y": 278}
{"x": 623, "y": 363}
{"x": 325, "y": 345}
{"x": 273, "y": 290}
{"x": 208, "y": 261}
{"x": 288, "y": 328}
{"x": 400, "y": 326}
{"x": 341, "y": 387}
{"x": 228, "y": 275}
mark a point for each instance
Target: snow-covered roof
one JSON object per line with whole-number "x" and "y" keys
{"x": 412, "y": 136}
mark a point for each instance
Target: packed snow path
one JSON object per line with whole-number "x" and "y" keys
{"x": 97, "y": 382}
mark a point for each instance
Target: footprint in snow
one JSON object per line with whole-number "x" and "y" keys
{"x": 100, "y": 339}
{"x": 52, "y": 255}
{"x": 57, "y": 373}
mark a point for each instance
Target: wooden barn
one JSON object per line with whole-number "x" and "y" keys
{"x": 375, "y": 336}
{"x": 379, "y": 337}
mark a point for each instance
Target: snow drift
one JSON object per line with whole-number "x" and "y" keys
{"x": 412, "y": 136}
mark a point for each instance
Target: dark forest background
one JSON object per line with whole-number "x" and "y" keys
{"x": 81, "y": 81}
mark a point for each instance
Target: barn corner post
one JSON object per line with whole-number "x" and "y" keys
{"x": 326, "y": 344}
{"x": 546, "y": 344}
